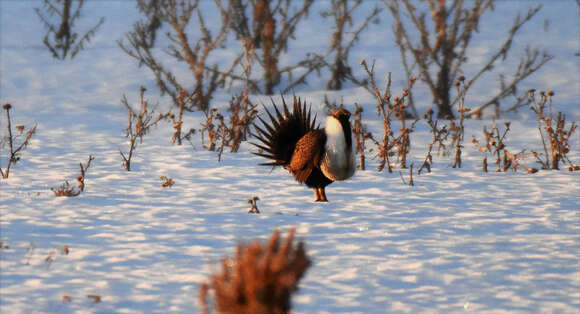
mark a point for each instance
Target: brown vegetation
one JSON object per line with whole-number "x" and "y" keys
{"x": 66, "y": 189}
{"x": 60, "y": 39}
{"x": 253, "y": 205}
{"x": 554, "y": 132}
{"x": 387, "y": 107}
{"x": 445, "y": 47}
{"x": 260, "y": 279}
{"x": 342, "y": 12}
{"x": 14, "y": 149}
{"x": 139, "y": 123}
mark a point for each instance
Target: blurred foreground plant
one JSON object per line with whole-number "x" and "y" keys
{"x": 260, "y": 279}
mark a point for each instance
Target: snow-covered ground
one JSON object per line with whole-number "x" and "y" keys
{"x": 459, "y": 240}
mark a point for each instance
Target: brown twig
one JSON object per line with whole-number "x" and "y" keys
{"x": 14, "y": 149}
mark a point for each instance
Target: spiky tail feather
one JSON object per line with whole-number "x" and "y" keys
{"x": 279, "y": 137}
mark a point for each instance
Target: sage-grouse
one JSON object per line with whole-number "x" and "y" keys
{"x": 314, "y": 156}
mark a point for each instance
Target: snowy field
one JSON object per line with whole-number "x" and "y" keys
{"x": 460, "y": 240}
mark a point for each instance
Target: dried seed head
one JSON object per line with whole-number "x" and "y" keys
{"x": 7, "y": 106}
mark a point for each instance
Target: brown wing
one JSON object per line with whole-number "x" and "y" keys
{"x": 307, "y": 154}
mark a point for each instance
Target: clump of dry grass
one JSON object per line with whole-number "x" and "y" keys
{"x": 14, "y": 149}
{"x": 260, "y": 279}
{"x": 66, "y": 189}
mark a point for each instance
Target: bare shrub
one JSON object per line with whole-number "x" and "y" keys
{"x": 178, "y": 15}
{"x": 178, "y": 136}
{"x": 66, "y": 189}
{"x": 139, "y": 123}
{"x": 260, "y": 279}
{"x": 392, "y": 144}
{"x": 457, "y": 128}
{"x": 345, "y": 36}
{"x": 494, "y": 144}
{"x": 23, "y": 135}
{"x": 440, "y": 135}
{"x": 269, "y": 28}
{"x": 60, "y": 38}
{"x": 439, "y": 54}
{"x": 554, "y": 132}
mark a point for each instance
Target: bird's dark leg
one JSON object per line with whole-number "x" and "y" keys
{"x": 320, "y": 195}
{"x": 316, "y": 195}
{"x": 323, "y": 195}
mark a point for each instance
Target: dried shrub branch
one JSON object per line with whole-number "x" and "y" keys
{"x": 139, "y": 123}
{"x": 361, "y": 135}
{"x": 269, "y": 28}
{"x": 440, "y": 135}
{"x": 14, "y": 149}
{"x": 66, "y": 189}
{"x": 178, "y": 15}
{"x": 260, "y": 279}
{"x": 554, "y": 132}
{"x": 387, "y": 107}
{"x": 60, "y": 39}
{"x": 253, "y": 205}
{"x": 342, "y": 12}
{"x": 445, "y": 47}
{"x": 178, "y": 136}
{"x": 494, "y": 144}
{"x": 458, "y": 129}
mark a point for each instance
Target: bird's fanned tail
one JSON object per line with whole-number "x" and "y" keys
{"x": 278, "y": 137}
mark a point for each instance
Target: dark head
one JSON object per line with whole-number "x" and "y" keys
{"x": 343, "y": 116}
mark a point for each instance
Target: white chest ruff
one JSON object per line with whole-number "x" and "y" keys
{"x": 338, "y": 162}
